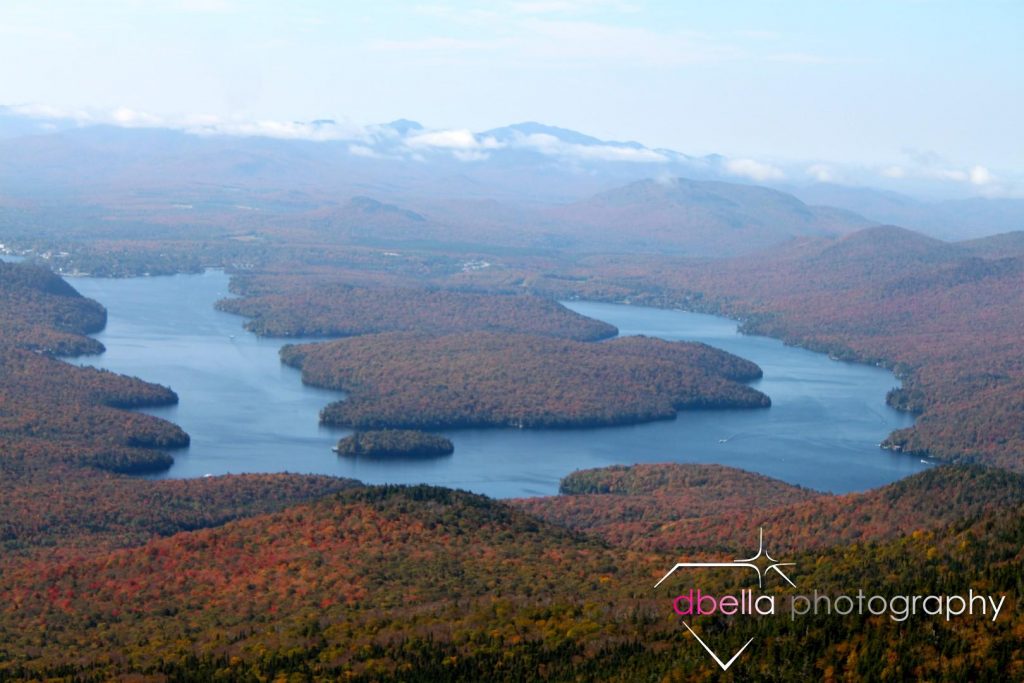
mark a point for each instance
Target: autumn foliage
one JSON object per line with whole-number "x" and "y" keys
{"x": 394, "y": 443}
{"x": 946, "y": 320}
{"x": 488, "y": 380}
{"x": 286, "y": 577}
{"x": 41, "y": 312}
{"x": 706, "y": 508}
{"x": 82, "y": 408}
{"x": 328, "y": 309}
{"x": 421, "y": 583}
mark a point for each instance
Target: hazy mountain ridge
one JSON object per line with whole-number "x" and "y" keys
{"x": 698, "y": 218}
{"x": 525, "y": 164}
{"x": 952, "y": 219}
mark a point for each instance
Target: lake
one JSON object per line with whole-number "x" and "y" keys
{"x": 246, "y": 412}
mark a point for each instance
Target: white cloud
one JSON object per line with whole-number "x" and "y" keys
{"x": 46, "y": 111}
{"x": 284, "y": 130}
{"x": 121, "y": 116}
{"x": 610, "y": 153}
{"x": 985, "y": 182}
{"x": 954, "y": 175}
{"x": 129, "y": 118}
{"x": 755, "y": 170}
{"x": 462, "y": 139}
{"x": 821, "y": 173}
{"x": 467, "y": 146}
{"x": 979, "y": 175}
{"x": 552, "y": 146}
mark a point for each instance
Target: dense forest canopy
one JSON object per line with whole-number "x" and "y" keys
{"x": 80, "y": 408}
{"x": 488, "y": 380}
{"x": 337, "y": 310}
{"x": 400, "y": 583}
{"x": 700, "y": 508}
{"x": 394, "y": 443}
{"x": 41, "y": 312}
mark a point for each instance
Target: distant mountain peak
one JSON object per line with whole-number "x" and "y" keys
{"x": 681, "y": 190}
{"x": 404, "y": 126}
{"x": 371, "y": 206}
{"x": 700, "y": 217}
{"x": 889, "y": 243}
{"x": 891, "y": 234}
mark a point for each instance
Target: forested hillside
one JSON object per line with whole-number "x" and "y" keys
{"x": 676, "y": 508}
{"x": 82, "y": 409}
{"x": 696, "y": 218}
{"x": 419, "y": 583}
{"x": 947, "y": 321}
{"x": 41, "y": 312}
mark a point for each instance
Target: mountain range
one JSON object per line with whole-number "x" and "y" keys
{"x": 526, "y": 185}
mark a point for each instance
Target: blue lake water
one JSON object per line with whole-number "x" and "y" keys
{"x": 248, "y": 413}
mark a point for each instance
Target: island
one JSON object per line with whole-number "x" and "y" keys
{"x": 394, "y": 443}
{"x": 297, "y": 308}
{"x": 481, "y": 379}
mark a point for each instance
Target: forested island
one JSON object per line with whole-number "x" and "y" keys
{"x": 480, "y": 379}
{"x": 394, "y": 443}
{"x": 297, "y": 309}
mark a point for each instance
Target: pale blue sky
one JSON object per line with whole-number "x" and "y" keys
{"x": 897, "y": 81}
